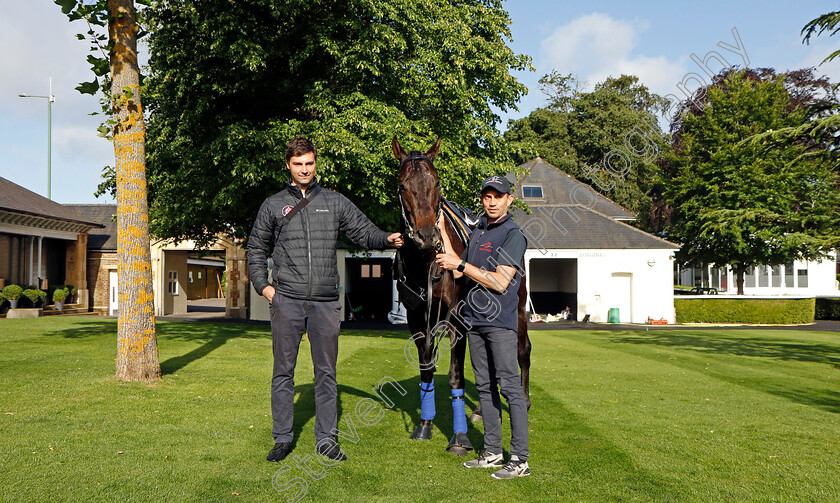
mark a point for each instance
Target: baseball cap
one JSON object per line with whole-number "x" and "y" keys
{"x": 496, "y": 182}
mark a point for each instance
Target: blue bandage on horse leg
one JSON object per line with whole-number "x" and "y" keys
{"x": 459, "y": 417}
{"x": 427, "y": 401}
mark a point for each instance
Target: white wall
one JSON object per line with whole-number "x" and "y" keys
{"x": 650, "y": 275}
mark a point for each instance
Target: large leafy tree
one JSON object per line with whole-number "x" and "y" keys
{"x": 732, "y": 199}
{"x": 231, "y": 82}
{"x": 137, "y": 351}
{"x": 608, "y": 138}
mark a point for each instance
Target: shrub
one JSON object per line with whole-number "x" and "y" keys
{"x": 744, "y": 310}
{"x": 12, "y": 292}
{"x": 827, "y": 309}
{"x": 59, "y": 295}
{"x": 34, "y": 296}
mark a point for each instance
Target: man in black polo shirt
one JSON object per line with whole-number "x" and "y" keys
{"x": 492, "y": 264}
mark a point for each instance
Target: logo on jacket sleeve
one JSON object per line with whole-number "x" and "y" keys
{"x": 287, "y": 209}
{"x": 486, "y": 247}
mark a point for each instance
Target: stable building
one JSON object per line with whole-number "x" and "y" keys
{"x": 583, "y": 253}
{"x": 42, "y": 242}
{"x": 181, "y": 270}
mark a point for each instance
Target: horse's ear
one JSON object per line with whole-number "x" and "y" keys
{"x": 399, "y": 153}
{"x": 433, "y": 152}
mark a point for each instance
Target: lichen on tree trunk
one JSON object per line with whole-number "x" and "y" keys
{"x": 137, "y": 353}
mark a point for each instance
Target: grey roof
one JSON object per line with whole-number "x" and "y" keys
{"x": 577, "y": 227}
{"x": 560, "y": 188}
{"x": 17, "y": 199}
{"x": 104, "y": 214}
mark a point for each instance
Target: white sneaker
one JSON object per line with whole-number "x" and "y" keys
{"x": 486, "y": 460}
{"x": 514, "y": 468}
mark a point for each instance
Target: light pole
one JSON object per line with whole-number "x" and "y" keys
{"x": 50, "y": 100}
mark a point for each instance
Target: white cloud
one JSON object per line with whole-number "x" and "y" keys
{"x": 817, "y": 52}
{"x": 596, "y": 46}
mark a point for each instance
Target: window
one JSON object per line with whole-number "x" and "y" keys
{"x": 532, "y": 191}
{"x": 777, "y": 276}
{"x": 763, "y": 280}
{"x": 172, "y": 287}
{"x": 749, "y": 277}
{"x": 802, "y": 278}
{"x": 789, "y": 275}
{"x": 190, "y": 275}
{"x": 371, "y": 271}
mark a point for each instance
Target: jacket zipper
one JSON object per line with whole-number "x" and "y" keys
{"x": 308, "y": 251}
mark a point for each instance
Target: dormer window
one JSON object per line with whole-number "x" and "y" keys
{"x": 532, "y": 191}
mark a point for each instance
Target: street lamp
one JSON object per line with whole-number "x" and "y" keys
{"x": 50, "y": 100}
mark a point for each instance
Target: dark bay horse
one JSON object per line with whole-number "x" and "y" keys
{"x": 431, "y": 296}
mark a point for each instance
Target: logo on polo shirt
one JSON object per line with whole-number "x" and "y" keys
{"x": 322, "y": 210}
{"x": 287, "y": 209}
{"x": 486, "y": 247}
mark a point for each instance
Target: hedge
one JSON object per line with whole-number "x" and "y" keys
{"x": 827, "y": 309}
{"x": 744, "y": 310}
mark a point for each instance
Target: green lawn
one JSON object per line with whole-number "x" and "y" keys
{"x": 666, "y": 415}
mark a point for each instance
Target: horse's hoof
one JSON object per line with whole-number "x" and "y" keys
{"x": 422, "y": 432}
{"x": 475, "y": 417}
{"x": 459, "y": 445}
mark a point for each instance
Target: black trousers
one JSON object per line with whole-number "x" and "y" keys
{"x": 290, "y": 318}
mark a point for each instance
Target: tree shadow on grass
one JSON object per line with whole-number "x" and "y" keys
{"x": 214, "y": 335}
{"x": 739, "y": 346}
{"x": 90, "y": 328}
{"x": 824, "y": 399}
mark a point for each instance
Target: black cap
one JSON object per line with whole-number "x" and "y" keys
{"x": 496, "y": 182}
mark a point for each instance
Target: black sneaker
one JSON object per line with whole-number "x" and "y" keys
{"x": 279, "y": 452}
{"x": 332, "y": 450}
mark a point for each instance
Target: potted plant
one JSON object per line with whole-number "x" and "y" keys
{"x": 12, "y": 294}
{"x": 33, "y": 296}
{"x": 59, "y": 295}
{"x": 71, "y": 293}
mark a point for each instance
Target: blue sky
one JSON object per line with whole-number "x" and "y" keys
{"x": 595, "y": 39}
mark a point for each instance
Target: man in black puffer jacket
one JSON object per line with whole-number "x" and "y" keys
{"x": 301, "y": 224}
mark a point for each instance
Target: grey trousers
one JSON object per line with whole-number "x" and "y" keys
{"x": 321, "y": 320}
{"x": 493, "y": 352}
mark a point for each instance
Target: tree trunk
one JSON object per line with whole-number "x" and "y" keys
{"x": 137, "y": 353}
{"x": 739, "y": 278}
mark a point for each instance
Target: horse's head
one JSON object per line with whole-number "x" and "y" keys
{"x": 419, "y": 196}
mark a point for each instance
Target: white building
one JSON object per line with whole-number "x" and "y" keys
{"x": 582, "y": 253}
{"x": 796, "y": 278}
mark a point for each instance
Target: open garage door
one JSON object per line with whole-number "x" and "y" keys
{"x": 553, "y": 283}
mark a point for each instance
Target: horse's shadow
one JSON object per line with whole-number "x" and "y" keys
{"x": 408, "y": 405}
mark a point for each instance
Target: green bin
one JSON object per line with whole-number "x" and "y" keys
{"x": 614, "y": 317}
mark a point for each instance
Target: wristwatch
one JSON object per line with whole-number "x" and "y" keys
{"x": 461, "y": 266}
